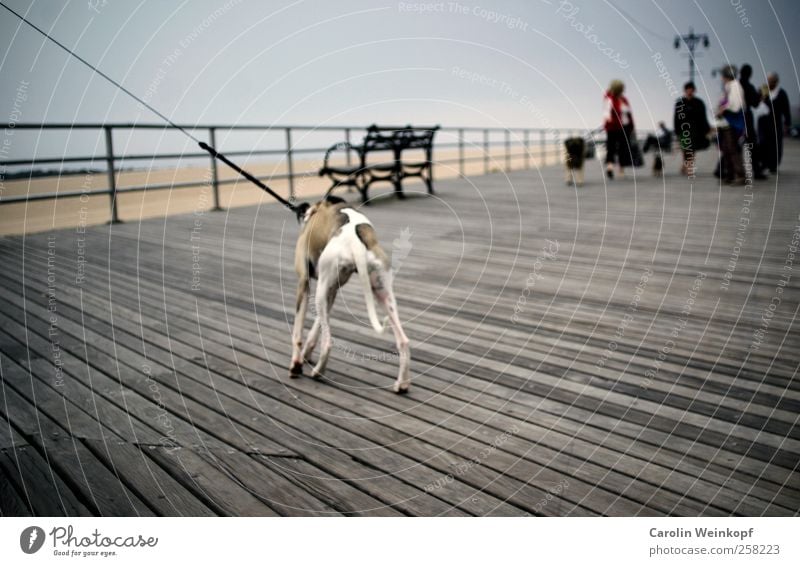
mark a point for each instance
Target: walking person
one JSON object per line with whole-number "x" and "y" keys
{"x": 752, "y": 99}
{"x": 731, "y": 127}
{"x": 691, "y": 126}
{"x": 772, "y": 125}
{"x": 618, "y": 124}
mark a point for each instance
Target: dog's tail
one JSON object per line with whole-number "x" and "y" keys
{"x": 360, "y": 257}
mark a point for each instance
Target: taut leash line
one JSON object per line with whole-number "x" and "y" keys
{"x": 297, "y": 209}
{"x": 217, "y": 155}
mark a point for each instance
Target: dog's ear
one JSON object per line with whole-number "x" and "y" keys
{"x": 301, "y": 210}
{"x": 334, "y": 199}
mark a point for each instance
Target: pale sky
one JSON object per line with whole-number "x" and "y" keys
{"x": 535, "y": 63}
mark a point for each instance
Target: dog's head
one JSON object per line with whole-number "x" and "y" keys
{"x": 574, "y": 146}
{"x": 305, "y": 210}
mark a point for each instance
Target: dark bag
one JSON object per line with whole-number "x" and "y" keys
{"x": 630, "y": 154}
{"x": 636, "y": 152}
{"x": 591, "y": 149}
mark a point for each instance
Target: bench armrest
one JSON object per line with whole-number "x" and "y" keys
{"x": 346, "y": 146}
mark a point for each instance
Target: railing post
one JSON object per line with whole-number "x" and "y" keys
{"x": 527, "y": 142}
{"x": 289, "y": 164}
{"x": 212, "y": 139}
{"x": 347, "y": 151}
{"x": 112, "y": 177}
{"x": 508, "y": 150}
{"x": 461, "y": 151}
{"x": 558, "y": 145}
{"x": 485, "y": 151}
{"x": 542, "y": 154}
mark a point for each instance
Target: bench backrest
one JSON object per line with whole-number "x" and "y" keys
{"x": 381, "y": 138}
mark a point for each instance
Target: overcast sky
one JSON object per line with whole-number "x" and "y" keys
{"x": 534, "y": 63}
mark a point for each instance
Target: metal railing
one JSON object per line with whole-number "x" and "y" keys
{"x": 534, "y": 143}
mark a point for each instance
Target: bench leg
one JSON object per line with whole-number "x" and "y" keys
{"x": 429, "y": 183}
{"x": 397, "y": 174}
{"x": 362, "y": 184}
{"x": 428, "y": 176}
{"x": 398, "y": 186}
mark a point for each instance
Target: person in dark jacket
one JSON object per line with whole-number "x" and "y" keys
{"x": 772, "y": 125}
{"x": 752, "y": 99}
{"x": 691, "y": 126}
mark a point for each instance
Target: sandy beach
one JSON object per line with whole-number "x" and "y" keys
{"x": 88, "y": 210}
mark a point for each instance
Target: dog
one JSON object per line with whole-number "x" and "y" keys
{"x": 575, "y": 152}
{"x": 336, "y": 241}
{"x": 658, "y": 166}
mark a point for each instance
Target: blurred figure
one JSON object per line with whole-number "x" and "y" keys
{"x": 575, "y": 149}
{"x": 661, "y": 140}
{"x": 772, "y": 125}
{"x": 691, "y": 127}
{"x": 664, "y": 138}
{"x": 752, "y": 99}
{"x": 731, "y": 127}
{"x": 618, "y": 124}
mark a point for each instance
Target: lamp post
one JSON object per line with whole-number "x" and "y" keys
{"x": 691, "y": 40}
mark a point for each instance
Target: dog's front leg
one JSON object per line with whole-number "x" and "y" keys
{"x": 296, "y": 367}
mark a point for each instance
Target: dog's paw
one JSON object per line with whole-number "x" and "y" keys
{"x": 316, "y": 374}
{"x": 401, "y": 388}
{"x": 296, "y": 370}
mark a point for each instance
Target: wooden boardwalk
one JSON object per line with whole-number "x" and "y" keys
{"x": 621, "y": 349}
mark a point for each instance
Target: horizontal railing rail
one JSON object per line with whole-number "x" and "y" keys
{"x": 535, "y": 143}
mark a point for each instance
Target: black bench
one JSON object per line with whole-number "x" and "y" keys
{"x": 362, "y": 172}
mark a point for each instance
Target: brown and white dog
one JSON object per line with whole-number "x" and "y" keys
{"x": 336, "y": 241}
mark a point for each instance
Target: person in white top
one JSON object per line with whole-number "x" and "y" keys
{"x": 734, "y": 95}
{"x": 731, "y": 127}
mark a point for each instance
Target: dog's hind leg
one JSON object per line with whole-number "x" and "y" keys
{"x": 313, "y": 334}
{"x": 311, "y": 341}
{"x": 296, "y": 367}
{"x": 382, "y": 288}
{"x": 326, "y": 293}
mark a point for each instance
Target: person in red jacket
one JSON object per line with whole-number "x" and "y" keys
{"x": 619, "y": 128}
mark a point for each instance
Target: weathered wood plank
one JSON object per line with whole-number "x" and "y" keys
{"x": 13, "y": 502}
{"x": 335, "y": 492}
{"x": 154, "y": 485}
{"x": 39, "y": 485}
{"x": 214, "y": 486}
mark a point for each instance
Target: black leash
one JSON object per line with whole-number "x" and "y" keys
{"x": 297, "y": 209}
{"x": 217, "y": 155}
